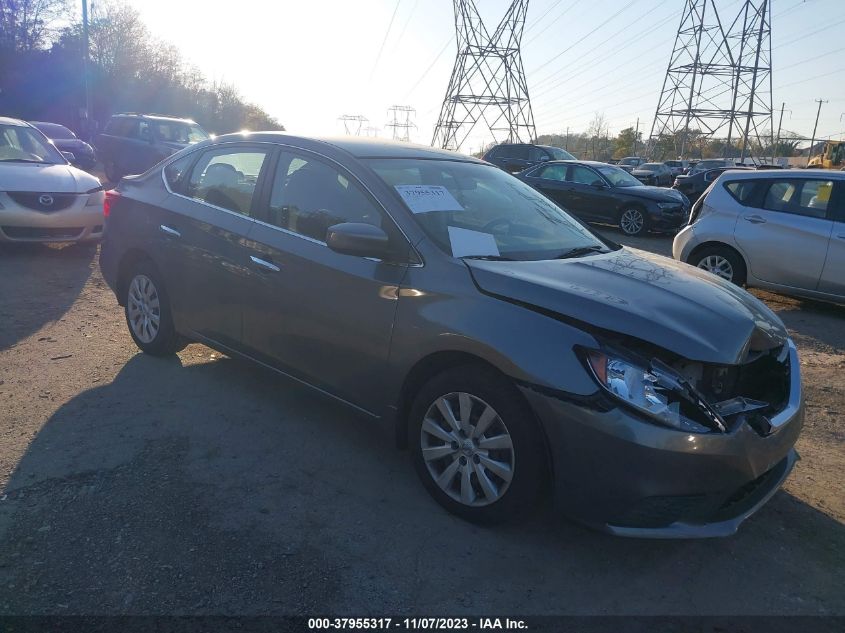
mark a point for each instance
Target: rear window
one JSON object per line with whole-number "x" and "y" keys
{"x": 741, "y": 190}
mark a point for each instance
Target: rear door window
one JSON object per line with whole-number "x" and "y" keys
{"x": 553, "y": 172}
{"x": 809, "y": 198}
{"x": 227, "y": 178}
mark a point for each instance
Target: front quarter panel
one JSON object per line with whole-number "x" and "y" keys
{"x": 441, "y": 310}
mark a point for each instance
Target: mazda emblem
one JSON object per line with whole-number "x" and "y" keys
{"x": 46, "y": 200}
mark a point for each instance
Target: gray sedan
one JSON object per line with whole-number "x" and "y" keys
{"x": 512, "y": 349}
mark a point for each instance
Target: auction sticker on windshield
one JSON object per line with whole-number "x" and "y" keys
{"x": 466, "y": 242}
{"x": 427, "y": 198}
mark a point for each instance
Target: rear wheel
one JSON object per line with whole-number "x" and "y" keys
{"x": 722, "y": 261}
{"x": 633, "y": 221}
{"x": 148, "y": 312}
{"x": 475, "y": 445}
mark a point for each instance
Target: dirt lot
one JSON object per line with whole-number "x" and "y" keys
{"x": 204, "y": 485}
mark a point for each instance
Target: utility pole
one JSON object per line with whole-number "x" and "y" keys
{"x": 636, "y": 132}
{"x": 85, "y": 62}
{"x": 815, "y": 128}
{"x": 353, "y": 123}
{"x": 780, "y": 123}
{"x": 566, "y": 142}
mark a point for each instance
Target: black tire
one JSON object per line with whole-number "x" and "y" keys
{"x": 626, "y": 227}
{"x": 165, "y": 341}
{"x": 737, "y": 264}
{"x": 527, "y": 453}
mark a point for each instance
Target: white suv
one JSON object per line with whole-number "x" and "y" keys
{"x": 779, "y": 230}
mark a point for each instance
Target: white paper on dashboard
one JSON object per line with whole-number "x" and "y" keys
{"x": 426, "y": 198}
{"x": 466, "y": 242}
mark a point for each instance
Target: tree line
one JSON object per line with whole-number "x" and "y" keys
{"x": 41, "y": 71}
{"x": 597, "y": 144}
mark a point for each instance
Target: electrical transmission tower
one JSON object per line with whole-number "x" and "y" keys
{"x": 488, "y": 82}
{"x": 353, "y": 123}
{"x": 401, "y": 122}
{"x": 719, "y": 81}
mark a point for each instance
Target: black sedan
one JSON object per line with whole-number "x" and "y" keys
{"x": 598, "y": 192}
{"x": 692, "y": 186}
{"x": 66, "y": 141}
{"x": 657, "y": 174}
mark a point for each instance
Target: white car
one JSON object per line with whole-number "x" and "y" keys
{"x": 42, "y": 197}
{"x": 782, "y": 230}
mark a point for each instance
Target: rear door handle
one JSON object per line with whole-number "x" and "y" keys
{"x": 754, "y": 219}
{"x": 263, "y": 263}
{"x": 169, "y": 231}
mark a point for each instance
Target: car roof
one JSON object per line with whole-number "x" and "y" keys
{"x": 359, "y": 147}
{"x": 155, "y": 117}
{"x": 10, "y": 121}
{"x": 785, "y": 173}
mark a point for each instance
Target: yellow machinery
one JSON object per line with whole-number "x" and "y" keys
{"x": 832, "y": 156}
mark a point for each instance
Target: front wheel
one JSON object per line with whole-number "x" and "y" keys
{"x": 721, "y": 261}
{"x": 475, "y": 445}
{"x": 633, "y": 221}
{"x": 148, "y": 312}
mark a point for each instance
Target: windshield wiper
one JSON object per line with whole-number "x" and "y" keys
{"x": 580, "y": 250}
{"x": 22, "y": 160}
{"x": 492, "y": 258}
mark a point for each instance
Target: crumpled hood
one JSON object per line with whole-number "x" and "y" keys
{"x": 669, "y": 304}
{"x": 48, "y": 178}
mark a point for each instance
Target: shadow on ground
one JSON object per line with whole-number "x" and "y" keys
{"x": 220, "y": 488}
{"x": 53, "y": 277}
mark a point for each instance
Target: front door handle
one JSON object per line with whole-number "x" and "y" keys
{"x": 754, "y": 219}
{"x": 169, "y": 231}
{"x": 270, "y": 266}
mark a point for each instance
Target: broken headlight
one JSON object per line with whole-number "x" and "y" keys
{"x": 657, "y": 391}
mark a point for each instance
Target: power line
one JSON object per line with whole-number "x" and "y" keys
{"x": 540, "y": 19}
{"x": 384, "y": 41}
{"x": 430, "y": 66}
{"x": 550, "y": 24}
{"x": 574, "y": 44}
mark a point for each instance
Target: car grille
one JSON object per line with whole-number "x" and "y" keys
{"x": 43, "y": 201}
{"x": 655, "y": 512}
{"x": 41, "y": 233}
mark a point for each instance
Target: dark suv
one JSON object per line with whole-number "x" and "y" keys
{"x": 132, "y": 143}
{"x": 515, "y": 157}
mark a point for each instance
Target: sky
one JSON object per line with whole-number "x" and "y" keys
{"x": 307, "y": 62}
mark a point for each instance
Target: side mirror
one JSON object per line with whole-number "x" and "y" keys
{"x": 358, "y": 239}
{"x": 69, "y": 156}
{"x": 544, "y": 159}
{"x": 598, "y": 184}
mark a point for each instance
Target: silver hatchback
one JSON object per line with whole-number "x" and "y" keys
{"x": 782, "y": 231}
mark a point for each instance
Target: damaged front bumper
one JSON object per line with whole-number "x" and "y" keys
{"x": 621, "y": 473}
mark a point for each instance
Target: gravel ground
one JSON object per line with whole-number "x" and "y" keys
{"x": 204, "y": 485}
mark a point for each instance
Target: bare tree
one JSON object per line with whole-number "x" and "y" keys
{"x": 27, "y": 25}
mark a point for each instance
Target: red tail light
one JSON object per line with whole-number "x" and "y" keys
{"x": 111, "y": 197}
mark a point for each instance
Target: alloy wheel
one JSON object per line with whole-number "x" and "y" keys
{"x": 632, "y": 221}
{"x": 467, "y": 449}
{"x": 717, "y": 265}
{"x": 143, "y": 308}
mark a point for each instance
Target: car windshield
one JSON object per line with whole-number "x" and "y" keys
{"x": 629, "y": 161}
{"x": 618, "y": 177}
{"x": 177, "y": 132}
{"x": 560, "y": 154}
{"x": 473, "y": 210}
{"x": 651, "y": 166}
{"x": 21, "y": 144}
{"x": 55, "y": 131}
